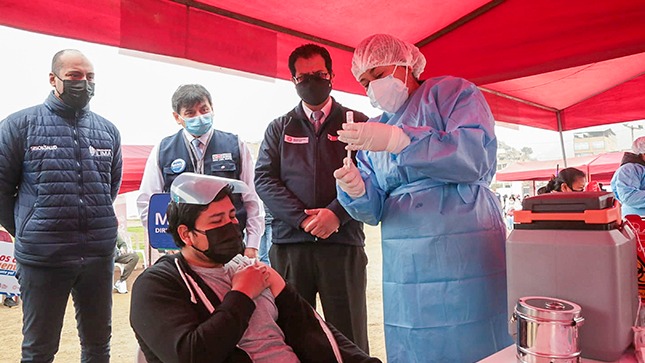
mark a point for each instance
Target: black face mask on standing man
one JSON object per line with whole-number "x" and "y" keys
{"x": 314, "y": 90}
{"x": 224, "y": 243}
{"x": 76, "y": 93}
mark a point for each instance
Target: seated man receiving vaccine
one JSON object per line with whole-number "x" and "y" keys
{"x": 209, "y": 303}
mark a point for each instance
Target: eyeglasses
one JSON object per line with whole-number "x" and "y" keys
{"x": 319, "y": 74}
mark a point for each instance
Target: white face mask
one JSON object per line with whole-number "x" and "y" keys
{"x": 388, "y": 93}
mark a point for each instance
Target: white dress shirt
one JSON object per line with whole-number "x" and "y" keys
{"x": 326, "y": 110}
{"x": 152, "y": 182}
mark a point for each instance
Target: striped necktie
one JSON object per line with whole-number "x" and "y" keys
{"x": 316, "y": 117}
{"x": 197, "y": 144}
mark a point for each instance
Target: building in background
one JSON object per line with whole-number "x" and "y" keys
{"x": 594, "y": 142}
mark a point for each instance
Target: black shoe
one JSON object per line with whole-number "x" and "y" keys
{"x": 9, "y": 302}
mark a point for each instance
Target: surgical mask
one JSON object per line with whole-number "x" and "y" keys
{"x": 224, "y": 243}
{"x": 388, "y": 93}
{"x": 76, "y": 93}
{"x": 198, "y": 125}
{"x": 314, "y": 90}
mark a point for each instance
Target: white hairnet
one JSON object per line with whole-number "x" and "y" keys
{"x": 385, "y": 50}
{"x": 638, "y": 147}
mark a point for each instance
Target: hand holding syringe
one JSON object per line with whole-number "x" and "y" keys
{"x": 349, "y": 118}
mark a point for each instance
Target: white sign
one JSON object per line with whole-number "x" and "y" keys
{"x": 8, "y": 282}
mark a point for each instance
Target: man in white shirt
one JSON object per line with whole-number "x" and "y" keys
{"x": 200, "y": 148}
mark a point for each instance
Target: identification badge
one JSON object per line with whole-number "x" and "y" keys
{"x": 332, "y": 138}
{"x": 223, "y": 156}
{"x": 296, "y": 140}
{"x": 178, "y": 165}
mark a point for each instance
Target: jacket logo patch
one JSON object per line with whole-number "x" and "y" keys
{"x": 296, "y": 140}
{"x": 99, "y": 152}
{"x": 43, "y": 147}
{"x": 332, "y": 138}
{"x": 223, "y": 156}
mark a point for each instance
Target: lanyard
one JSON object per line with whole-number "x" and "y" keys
{"x": 198, "y": 163}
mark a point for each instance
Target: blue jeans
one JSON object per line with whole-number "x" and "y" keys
{"x": 265, "y": 245}
{"x": 45, "y": 291}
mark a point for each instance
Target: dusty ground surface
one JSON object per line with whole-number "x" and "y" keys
{"x": 124, "y": 343}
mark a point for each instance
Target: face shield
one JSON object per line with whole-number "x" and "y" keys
{"x": 191, "y": 188}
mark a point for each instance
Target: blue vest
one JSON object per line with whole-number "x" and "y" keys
{"x": 221, "y": 158}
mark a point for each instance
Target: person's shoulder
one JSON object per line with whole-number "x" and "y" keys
{"x": 448, "y": 88}
{"x": 170, "y": 137}
{"x": 164, "y": 268}
{"x": 104, "y": 122}
{"x": 23, "y": 116}
{"x": 221, "y": 133}
{"x": 631, "y": 169}
{"x": 447, "y": 82}
{"x": 281, "y": 121}
{"x": 284, "y": 118}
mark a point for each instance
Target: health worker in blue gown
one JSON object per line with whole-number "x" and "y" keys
{"x": 423, "y": 173}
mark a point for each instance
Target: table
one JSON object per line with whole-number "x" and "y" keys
{"x": 507, "y": 355}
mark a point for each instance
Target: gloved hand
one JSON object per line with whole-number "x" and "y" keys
{"x": 349, "y": 179}
{"x": 373, "y": 136}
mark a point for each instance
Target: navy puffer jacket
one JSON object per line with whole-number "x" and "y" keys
{"x": 60, "y": 171}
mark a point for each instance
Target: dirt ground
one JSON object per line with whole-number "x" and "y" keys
{"x": 124, "y": 344}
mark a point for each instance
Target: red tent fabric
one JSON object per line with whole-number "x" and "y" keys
{"x": 555, "y": 65}
{"x": 599, "y": 168}
{"x": 134, "y": 161}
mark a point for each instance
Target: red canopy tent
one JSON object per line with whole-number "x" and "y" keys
{"x": 134, "y": 161}
{"x": 554, "y": 65}
{"x": 599, "y": 168}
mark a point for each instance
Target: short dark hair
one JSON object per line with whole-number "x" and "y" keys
{"x": 188, "y": 95}
{"x": 186, "y": 214}
{"x": 57, "y": 64}
{"x": 307, "y": 51}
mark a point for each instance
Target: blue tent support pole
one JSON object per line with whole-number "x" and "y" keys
{"x": 564, "y": 153}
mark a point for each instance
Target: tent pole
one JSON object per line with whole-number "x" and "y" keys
{"x": 564, "y": 154}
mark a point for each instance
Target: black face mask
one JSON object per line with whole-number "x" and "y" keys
{"x": 224, "y": 243}
{"x": 77, "y": 94}
{"x": 314, "y": 90}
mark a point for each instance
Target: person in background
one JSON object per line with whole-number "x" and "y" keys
{"x": 202, "y": 149}
{"x": 125, "y": 256}
{"x": 628, "y": 182}
{"x": 60, "y": 172}
{"x": 567, "y": 180}
{"x": 512, "y": 205}
{"x": 425, "y": 168}
{"x": 208, "y": 303}
{"x": 317, "y": 246}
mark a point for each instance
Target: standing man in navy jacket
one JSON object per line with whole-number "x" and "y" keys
{"x": 60, "y": 171}
{"x": 317, "y": 247}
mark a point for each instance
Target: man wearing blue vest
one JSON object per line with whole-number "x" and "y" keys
{"x": 199, "y": 148}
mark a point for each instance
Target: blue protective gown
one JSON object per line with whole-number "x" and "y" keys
{"x": 628, "y": 185}
{"x": 444, "y": 272}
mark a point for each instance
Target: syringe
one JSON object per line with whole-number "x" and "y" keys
{"x": 349, "y": 118}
